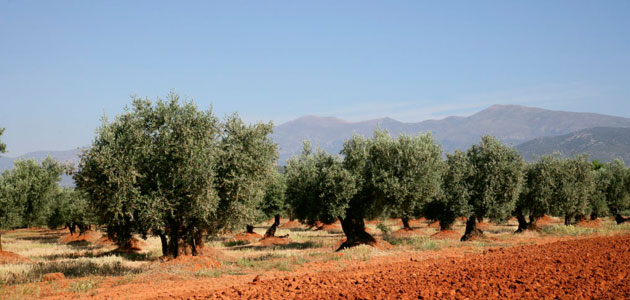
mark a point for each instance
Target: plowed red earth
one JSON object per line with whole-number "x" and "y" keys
{"x": 594, "y": 268}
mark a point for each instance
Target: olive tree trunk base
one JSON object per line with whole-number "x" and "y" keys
{"x": 471, "y": 229}
{"x": 405, "y": 222}
{"x": 354, "y": 229}
{"x": 271, "y": 232}
{"x": 620, "y": 219}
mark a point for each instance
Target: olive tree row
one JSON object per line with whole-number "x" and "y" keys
{"x": 171, "y": 170}
{"x": 377, "y": 175}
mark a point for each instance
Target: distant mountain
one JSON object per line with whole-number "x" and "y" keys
{"x": 68, "y": 156}
{"x": 513, "y": 124}
{"x": 601, "y": 143}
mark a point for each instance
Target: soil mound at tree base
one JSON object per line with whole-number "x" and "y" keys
{"x": 403, "y": 232}
{"x": 190, "y": 263}
{"x": 446, "y": 235}
{"x": 546, "y": 220}
{"x": 7, "y": 257}
{"x": 435, "y": 225}
{"x": 291, "y": 224}
{"x": 330, "y": 227}
{"x": 247, "y": 237}
{"x": 273, "y": 241}
{"x": 88, "y": 237}
{"x": 591, "y": 223}
{"x": 135, "y": 245}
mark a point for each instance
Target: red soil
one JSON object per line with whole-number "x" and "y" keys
{"x": 88, "y": 236}
{"x": 273, "y": 241}
{"x": 435, "y": 224}
{"x": 594, "y": 268}
{"x": 291, "y": 224}
{"x": 546, "y": 220}
{"x": 247, "y": 237}
{"x": 7, "y": 257}
{"x": 591, "y": 223}
{"x": 191, "y": 263}
{"x": 446, "y": 235}
{"x": 330, "y": 227}
{"x": 408, "y": 232}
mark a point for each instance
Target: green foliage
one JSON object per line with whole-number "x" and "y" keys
{"x": 172, "y": 170}
{"x": 574, "y": 186}
{"x": 612, "y": 188}
{"x": 405, "y": 171}
{"x": 318, "y": 187}
{"x": 452, "y": 202}
{"x": 538, "y": 188}
{"x": 26, "y": 192}
{"x": 244, "y": 168}
{"x": 70, "y": 207}
{"x": 495, "y": 179}
{"x": 274, "y": 200}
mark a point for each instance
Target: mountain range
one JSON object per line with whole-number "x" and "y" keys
{"x": 513, "y": 124}
{"x": 534, "y": 131}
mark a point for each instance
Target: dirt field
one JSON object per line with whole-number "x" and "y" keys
{"x": 575, "y": 262}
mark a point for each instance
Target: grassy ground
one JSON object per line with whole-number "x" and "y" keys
{"x": 91, "y": 264}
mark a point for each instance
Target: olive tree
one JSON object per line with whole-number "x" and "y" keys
{"x": 71, "y": 209}
{"x": 26, "y": 192}
{"x": 273, "y": 204}
{"x": 245, "y": 165}
{"x": 598, "y": 205}
{"x": 538, "y": 189}
{"x": 452, "y": 200}
{"x": 613, "y": 184}
{"x": 574, "y": 187}
{"x": 405, "y": 172}
{"x": 494, "y": 182}
{"x": 319, "y": 188}
{"x": 170, "y": 170}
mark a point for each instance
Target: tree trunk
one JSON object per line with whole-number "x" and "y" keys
{"x": 567, "y": 220}
{"x": 579, "y": 218}
{"x": 0, "y": 241}
{"x": 72, "y": 228}
{"x": 174, "y": 244}
{"x": 620, "y": 219}
{"x": 471, "y": 229}
{"x": 532, "y": 223}
{"x": 405, "y": 221}
{"x": 193, "y": 245}
{"x": 249, "y": 228}
{"x": 354, "y": 229}
{"x": 522, "y": 223}
{"x": 446, "y": 225}
{"x": 271, "y": 232}
{"x": 164, "y": 244}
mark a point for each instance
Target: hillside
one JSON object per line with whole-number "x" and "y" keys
{"x": 71, "y": 156}
{"x": 601, "y": 143}
{"x": 513, "y": 124}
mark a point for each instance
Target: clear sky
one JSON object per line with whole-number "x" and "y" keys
{"x": 63, "y": 64}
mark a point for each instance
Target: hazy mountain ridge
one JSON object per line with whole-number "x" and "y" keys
{"x": 514, "y": 124}
{"x": 67, "y": 156}
{"x": 601, "y": 143}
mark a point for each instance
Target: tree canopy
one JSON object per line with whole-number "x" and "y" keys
{"x": 494, "y": 182}
{"x": 172, "y": 170}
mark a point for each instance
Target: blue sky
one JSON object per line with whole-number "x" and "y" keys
{"x": 63, "y": 64}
